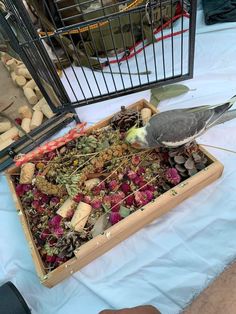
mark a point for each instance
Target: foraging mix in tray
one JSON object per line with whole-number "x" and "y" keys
{"x": 76, "y": 192}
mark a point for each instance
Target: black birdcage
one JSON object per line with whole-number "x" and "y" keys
{"x": 103, "y": 49}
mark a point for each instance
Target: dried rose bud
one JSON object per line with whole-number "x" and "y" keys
{"x": 27, "y": 187}
{"x": 149, "y": 195}
{"x": 130, "y": 200}
{"x": 20, "y": 190}
{"x": 50, "y": 258}
{"x": 140, "y": 171}
{"x": 45, "y": 198}
{"x": 78, "y": 198}
{"x": 131, "y": 175}
{"x": 107, "y": 200}
{"x": 173, "y": 176}
{"x": 115, "y": 208}
{"x": 58, "y": 231}
{"x": 55, "y": 221}
{"x": 96, "y": 203}
{"x": 45, "y": 234}
{"x": 35, "y": 204}
{"x": 125, "y": 187}
{"x": 114, "y": 217}
{"x": 87, "y": 199}
{"x": 113, "y": 185}
{"x": 135, "y": 160}
{"x": 54, "y": 201}
{"x": 141, "y": 198}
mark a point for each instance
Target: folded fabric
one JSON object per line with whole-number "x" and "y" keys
{"x": 218, "y": 11}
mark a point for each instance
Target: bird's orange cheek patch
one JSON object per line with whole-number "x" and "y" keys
{"x": 136, "y": 145}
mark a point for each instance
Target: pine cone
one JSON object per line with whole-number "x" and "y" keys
{"x": 125, "y": 119}
{"x": 187, "y": 165}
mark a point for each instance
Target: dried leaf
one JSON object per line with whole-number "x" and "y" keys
{"x": 154, "y": 101}
{"x": 166, "y": 92}
{"x": 100, "y": 225}
{"x": 189, "y": 164}
{"x": 124, "y": 211}
{"x": 179, "y": 159}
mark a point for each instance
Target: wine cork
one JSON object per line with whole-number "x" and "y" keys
{"x": 10, "y": 134}
{"x": 27, "y": 173}
{"x": 37, "y": 119}
{"x": 20, "y": 80}
{"x": 11, "y": 64}
{"x": 30, "y": 84}
{"x": 25, "y": 124}
{"x": 66, "y": 207}
{"x": 13, "y": 77}
{"x": 6, "y": 143}
{"x": 38, "y": 92}
{"x": 47, "y": 111}
{"x": 39, "y": 104}
{"x": 5, "y": 126}
{"x": 146, "y": 114}
{"x": 24, "y": 72}
{"x": 25, "y": 112}
{"x": 31, "y": 96}
{"x": 81, "y": 216}
{"x": 90, "y": 184}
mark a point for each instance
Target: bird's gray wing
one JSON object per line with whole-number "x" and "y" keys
{"x": 178, "y": 127}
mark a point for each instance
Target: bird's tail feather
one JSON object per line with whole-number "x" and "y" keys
{"x": 227, "y": 116}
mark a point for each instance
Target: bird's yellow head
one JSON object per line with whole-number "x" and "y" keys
{"x": 135, "y": 137}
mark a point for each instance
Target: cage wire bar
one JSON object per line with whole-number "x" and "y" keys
{"x": 103, "y": 48}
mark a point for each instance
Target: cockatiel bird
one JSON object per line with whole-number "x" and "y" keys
{"x": 178, "y": 127}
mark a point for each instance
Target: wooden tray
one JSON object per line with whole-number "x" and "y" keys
{"x": 123, "y": 229}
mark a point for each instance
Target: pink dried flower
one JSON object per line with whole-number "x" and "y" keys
{"x": 96, "y": 203}
{"x": 137, "y": 180}
{"x": 125, "y": 187}
{"x": 135, "y": 160}
{"x": 97, "y": 189}
{"x": 50, "y": 258}
{"x": 54, "y": 200}
{"x": 78, "y": 198}
{"x": 142, "y": 184}
{"x": 36, "y": 204}
{"x": 140, "y": 171}
{"x": 107, "y": 200}
{"x": 40, "y": 209}
{"x": 45, "y": 234}
{"x": 44, "y": 198}
{"x": 20, "y": 190}
{"x": 120, "y": 176}
{"x": 130, "y": 200}
{"x": 37, "y": 194}
{"x": 141, "y": 198}
{"x": 58, "y": 231}
{"x": 115, "y": 208}
{"x": 173, "y": 176}
{"x": 87, "y": 199}
{"x": 131, "y": 174}
{"x": 121, "y": 194}
{"x": 114, "y": 217}
{"x": 27, "y": 187}
{"x": 113, "y": 184}
{"x": 55, "y": 221}
{"x": 149, "y": 195}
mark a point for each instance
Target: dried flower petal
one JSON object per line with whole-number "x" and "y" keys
{"x": 113, "y": 185}
{"x": 78, "y": 198}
